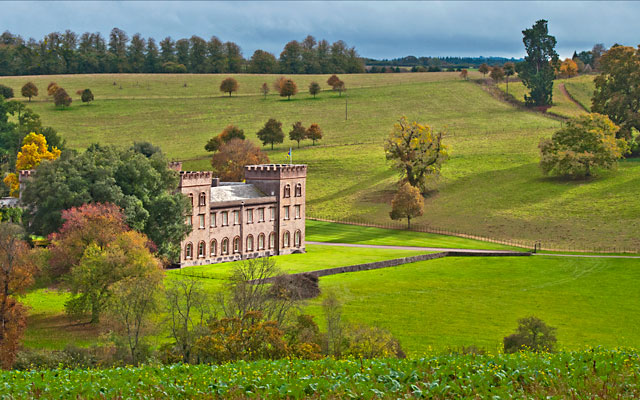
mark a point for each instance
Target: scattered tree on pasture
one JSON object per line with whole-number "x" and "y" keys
{"x": 34, "y": 150}
{"x": 497, "y": 74}
{"x": 228, "y": 133}
{"x": 271, "y": 133}
{"x": 464, "y": 74}
{"x": 264, "y": 89}
{"x": 483, "y": 69}
{"x": 618, "y": 89}
{"x": 336, "y": 84}
{"x": 278, "y": 83}
{"x": 417, "y": 152}
{"x": 537, "y": 71}
{"x": 509, "y": 69}
{"x": 29, "y": 90}
{"x": 339, "y": 87}
{"x": 532, "y": 334}
{"x": 62, "y": 98}
{"x": 6, "y": 92}
{"x": 333, "y": 80}
{"x": 86, "y": 96}
{"x": 583, "y": 144}
{"x": 314, "y": 133}
{"x": 407, "y": 203}
{"x": 298, "y": 132}
{"x": 229, "y": 162}
{"x": 51, "y": 88}
{"x": 288, "y": 89}
{"x": 314, "y": 89}
{"x": 229, "y": 85}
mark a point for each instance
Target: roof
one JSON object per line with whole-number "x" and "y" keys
{"x": 8, "y": 202}
{"x": 235, "y": 192}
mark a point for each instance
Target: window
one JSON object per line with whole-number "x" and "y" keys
{"x": 201, "y": 218}
{"x": 214, "y": 248}
{"x": 236, "y": 244}
{"x": 272, "y": 240}
{"x": 225, "y": 218}
{"x": 236, "y": 217}
{"x": 249, "y": 243}
{"x": 189, "y": 220}
{"x": 287, "y": 191}
{"x": 261, "y": 241}
{"x": 296, "y": 239}
{"x": 286, "y": 212}
{"x": 203, "y": 199}
{"x": 249, "y": 216}
{"x": 188, "y": 252}
{"x": 213, "y": 220}
{"x": 260, "y": 214}
{"x": 191, "y": 199}
{"x": 296, "y": 209}
{"x": 225, "y": 246}
{"x": 298, "y": 190}
{"x": 272, "y": 213}
{"x": 285, "y": 239}
{"x": 201, "y": 249}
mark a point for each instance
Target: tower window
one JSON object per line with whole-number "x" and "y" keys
{"x": 298, "y": 190}
{"x": 287, "y": 191}
{"x": 203, "y": 199}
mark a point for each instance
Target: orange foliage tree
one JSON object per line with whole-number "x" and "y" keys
{"x": 567, "y": 69}
{"x": 34, "y": 150}
{"x": 228, "y": 163}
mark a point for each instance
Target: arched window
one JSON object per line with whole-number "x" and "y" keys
{"x": 203, "y": 199}
{"x": 250, "y": 243}
{"x": 299, "y": 190}
{"x": 296, "y": 238}
{"x": 236, "y": 244}
{"x": 202, "y": 248}
{"x": 272, "y": 240}
{"x": 285, "y": 239}
{"x": 191, "y": 200}
{"x": 225, "y": 246}
{"x": 261, "y": 241}
{"x": 188, "y": 251}
{"x": 287, "y": 191}
{"x": 214, "y": 248}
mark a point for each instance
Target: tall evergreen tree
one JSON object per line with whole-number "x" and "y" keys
{"x": 151, "y": 57}
{"x": 167, "y": 50}
{"x": 537, "y": 70}
{"x": 118, "y": 51}
{"x": 198, "y": 55}
{"x": 135, "y": 54}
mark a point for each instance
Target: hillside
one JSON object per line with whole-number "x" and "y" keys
{"x": 491, "y": 186}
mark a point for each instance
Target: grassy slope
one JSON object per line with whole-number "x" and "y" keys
{"x": 491, "y": 186}
{"x": 581, "y": 89}
{"x": 561, "y": 104}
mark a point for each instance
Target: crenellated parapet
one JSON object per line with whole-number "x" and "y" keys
{"x": 195, "y": 178}
{"x": 175, "y": 165}
{"x": 23, "y": 174}
{"x": 275, "y": 171}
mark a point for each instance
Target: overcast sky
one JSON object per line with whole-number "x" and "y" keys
{"x": 377, "y": 29}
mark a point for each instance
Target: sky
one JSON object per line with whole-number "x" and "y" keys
{"x": 377, "y": 29}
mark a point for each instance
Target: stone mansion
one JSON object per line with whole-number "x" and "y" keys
{"x": 263, "y": 216}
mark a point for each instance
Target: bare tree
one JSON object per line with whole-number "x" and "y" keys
{"x": 335, "y": 332}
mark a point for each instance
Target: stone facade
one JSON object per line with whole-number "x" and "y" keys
{"x": 261, "y": 217}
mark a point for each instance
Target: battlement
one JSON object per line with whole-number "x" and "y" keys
{"x": 195, "y": 178}
{"x": 275, "y": 171}
{"x": 175, "y": 165}
{"x": 25, "y": 173}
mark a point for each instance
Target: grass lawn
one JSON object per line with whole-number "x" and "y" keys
{"x": 477, "y": 301}
{"x": 491, "y": 186}
{"x": 581, "y": 89}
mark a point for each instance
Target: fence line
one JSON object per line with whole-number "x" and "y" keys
{"x": 533, "y": 245}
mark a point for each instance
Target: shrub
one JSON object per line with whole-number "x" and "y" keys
{"x": 372, "y": 342}
{"x": 6, "y": 92}
{"x": 86, "y": 96}
{"x": 296, "y": 287}
{"x": 532, "y": 334}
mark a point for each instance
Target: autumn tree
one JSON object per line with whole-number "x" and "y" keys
{"x": 288, "y": 89}
{"x": 52, "y": 87}
{"x": 34, "y": 150}
{"x": 17, "y": 268}
{"x": 298, "y": 132}
{"x": 227, "y": 134}
{"x": 333, "y": 80}
{"x": 264, "y": 89}
{"x": 314, "y": 133}
{"x": 537, "y": 71}
{"x": 62, "y": 98}
{"x": 29, "y": 90}
{"x": 582, "y": 145}
{"x": 509, "y": 69}
{"x": 417, "y": 152}
{"x": 93, "y": 279}
{"x": 497, "y": 74}
{"x": 229, "y": 162}
{"x": 314, "y": 89}
{"x": 271, "y": 133}
{"x": 618, "y": 89}
{"x": 567, "y": 69}
{"x": 407, "y": 203}
{"x": 483, "y": 69}
{"x": 464, "y": 74}
{"x": 229, "y": 85}
{"x": 86, "y": 96}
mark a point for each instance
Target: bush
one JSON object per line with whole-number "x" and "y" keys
{"x": 532, "y": 334}
{"x": 6, "y": 92}
{"x": 86, "y": 96}
{"x": 296, "y": 287}
{"x": 372, "y": 342}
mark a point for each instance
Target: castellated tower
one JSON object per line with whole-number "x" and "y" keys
{"x": 287, "y": 183}
{"x": 197, "y": 186}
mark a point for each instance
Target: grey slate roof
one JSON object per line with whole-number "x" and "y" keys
{"x": 235, "y": 192}
{"x": 8, "y": 202}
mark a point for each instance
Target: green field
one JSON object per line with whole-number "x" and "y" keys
{"x": 491, "y": 186}
{"x": 581, "y": 88}
{"x": 585, "y": 374}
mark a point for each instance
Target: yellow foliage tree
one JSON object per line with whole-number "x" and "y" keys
{"x": 567, "y": 69}
{"x": 34, "y": 150}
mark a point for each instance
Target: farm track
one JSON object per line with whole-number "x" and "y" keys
{"x": 566, "y": 93}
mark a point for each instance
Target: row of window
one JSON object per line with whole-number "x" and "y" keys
{"x": 249, "y": 245}
{"x": 224, "y": 216}
{"x": 202, "y": 200}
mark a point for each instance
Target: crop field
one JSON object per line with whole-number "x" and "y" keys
{"x": 491, "y": 186}
{"x": 583, "y": 374}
